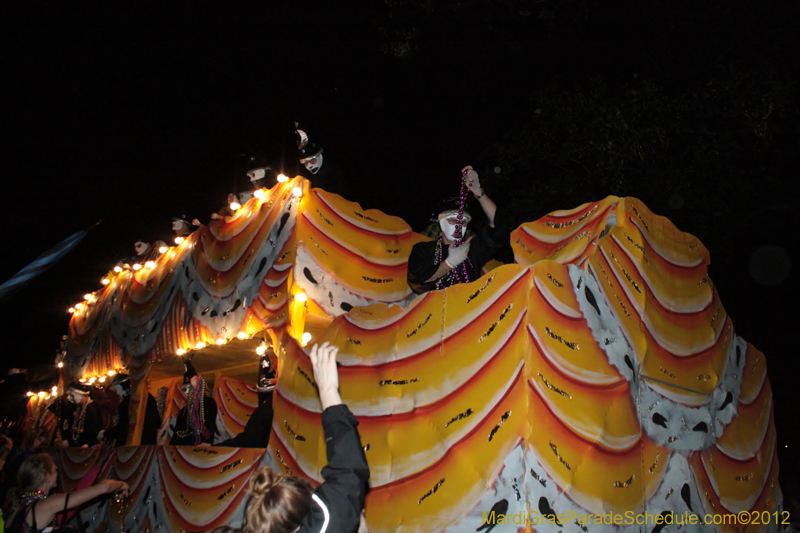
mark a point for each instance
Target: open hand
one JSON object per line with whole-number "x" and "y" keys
{"x": 323, "y": 359}
{"x": 471, "y": 179}
{"x": 458, "y": 254}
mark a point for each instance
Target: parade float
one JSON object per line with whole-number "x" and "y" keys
{"x": 594, "y": 383}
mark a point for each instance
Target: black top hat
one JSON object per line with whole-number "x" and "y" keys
{"x": 183, "y": 218}
{"x": 266, "y": 375}
{"x": 255, "y": 162}
{"x": 306, "y": 149}
{"x": 80, "y": 388}
{"x": 121, "y": 379}
{"x": 189, "y": 371}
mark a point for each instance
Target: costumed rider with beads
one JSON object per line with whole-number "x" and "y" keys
{"x": 82, "y": 426}
{"x": 197, "y": 421}
{"x": 452, "y": 259}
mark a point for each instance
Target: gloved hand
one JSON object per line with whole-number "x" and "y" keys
{"x": 471, "y": 179}
{"x": 457, "y": 254}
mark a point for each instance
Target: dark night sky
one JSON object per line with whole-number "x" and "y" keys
{"x": 132, "y": 115}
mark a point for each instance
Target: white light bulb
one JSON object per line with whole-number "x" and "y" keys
{"x": 117, "y": 269}
{"x": 178, "y": 240}
{"x": 71, "y": 310}
{"x": 150, "y": 264}
{"x": 220, "y": 341}
{"x": 105, "y": 281}
{"x": 259, "y": 193}
{"x": 261, "y": 350}
{"x": 301, "y": 297}
{"x": 297, "y": 192}
{"x": 112, "y": 373}
{"x": 137, "y": 266}
{"x": 282, "y": 178}
{"x": 241, "y": 335}
{"x": 306, "y": 337}
{"x": 163, "y": 250}
{"x": 235, "y": 206}
{"x": 60, "y": 365}
{"x": 87, "y": 296}
{"x": 180, "y": 351}
{"x": 78, "y": 305}
{"x": 200, "y": 345}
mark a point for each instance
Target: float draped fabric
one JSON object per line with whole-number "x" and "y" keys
{"x": 599, "y": 375}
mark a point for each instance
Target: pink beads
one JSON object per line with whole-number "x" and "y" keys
{"x": 458, "y": 234}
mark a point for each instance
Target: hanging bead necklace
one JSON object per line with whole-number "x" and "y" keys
{"x": 459, "y": 274}
{"x": 32, "y": 496}
{"x": 195, "y": 416}
{"x": 80, "y": 420}
{"x": 462, "y": 200}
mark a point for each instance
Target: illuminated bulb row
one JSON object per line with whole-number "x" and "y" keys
{"x": 219, "y": 342}
{"x": 42, "y": 394}
{"x": 297, "y": 192}
{"x": 78, "y": 306}
{"x": 90, "y": 380}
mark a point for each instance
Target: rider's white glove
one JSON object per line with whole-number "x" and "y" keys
{"x": 457, "y": 254}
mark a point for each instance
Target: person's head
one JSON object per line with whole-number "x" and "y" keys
{"x": 181, "y": 226}
{"x": 141, "y": 247}
{"x": 313, "y": 164}
{"x": 309, "y": 154}
{"x": 121, "y": 384}
{"x": 266, "y": 377}
{"x": 256, "y": 175}
{"x": 256, "y": 170}
{"x": 190, "y": 377}
{"x": 37, "y": 472}
{"x": 448, "y": 222}
{"x": 276, "y": 503}
{"x": 78, "y": 392}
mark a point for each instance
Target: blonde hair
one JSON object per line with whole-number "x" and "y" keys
{"x": 31, "y": 475}
{"x": 277, "y": 503}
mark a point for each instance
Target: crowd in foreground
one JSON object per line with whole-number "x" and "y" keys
{"x": 276, "y": 502}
